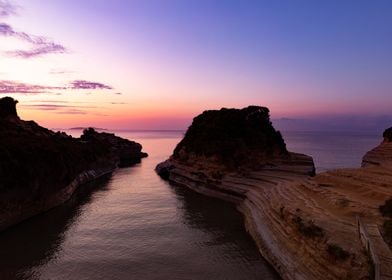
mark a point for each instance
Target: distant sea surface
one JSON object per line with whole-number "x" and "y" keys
{"x": 332, "y": 149}
{"x": 133, "y": 225}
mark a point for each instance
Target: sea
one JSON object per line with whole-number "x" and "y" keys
{"x": 134, "y": 225}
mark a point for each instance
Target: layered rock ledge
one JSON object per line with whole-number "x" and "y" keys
{"x": 40, "y": 169}
{"x": 306, "y": 226}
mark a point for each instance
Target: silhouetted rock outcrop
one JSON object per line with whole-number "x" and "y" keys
{"x": 230, "y": 141}
{"x": 128, "y": 152}
{"x": 40, "y": 169}
{"x": 232, "y": 137}
{"x": 234, "y": 140}
{"x": 8, "y": 108}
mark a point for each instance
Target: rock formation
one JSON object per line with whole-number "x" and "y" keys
{"x": 40, "y": 169}
{"x": 8, "y": 108}
{"x": 305, "y": 226}
{"x": 381, "y": 155}
{"x": 232, "y": 137}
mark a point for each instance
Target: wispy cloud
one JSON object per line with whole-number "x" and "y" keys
{"x": 54, "y": 107}
{"x": 40, "y": 45}
{"x": 64, "y": 109}
{"x": 7, "y": 9}
{"x": 72, "y": 112}
{"x": 13, "y": 87}
{"x": 50, "y": 101}
{"x": 60, "y": 71}
{"x": 39, "y": 50}
{"x": 59, "y": 108}
{"x": 82, "y": 84}
{"x": 118, "y": 103}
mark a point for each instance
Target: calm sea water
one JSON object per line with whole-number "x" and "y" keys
{"x": 331, "y": 150}
{"x": 133, "y": 225}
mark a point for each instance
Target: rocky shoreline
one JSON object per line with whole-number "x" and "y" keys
{"x": 306, "y": 226}
{"x": 41, "y": 169}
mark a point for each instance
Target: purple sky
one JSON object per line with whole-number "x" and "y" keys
{"x": 156, "y": 64}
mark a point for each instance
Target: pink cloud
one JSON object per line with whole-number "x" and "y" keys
{"x": 7, "y": 9}
{"x": 10, "y": 87}
{"x": 40, "y": 45}
{"x": 39, "y": 50}
{"x": 82, "y": 84}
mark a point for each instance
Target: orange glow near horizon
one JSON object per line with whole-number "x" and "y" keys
{"x": 149, "y": 116}
{"x": 152, "y": 66}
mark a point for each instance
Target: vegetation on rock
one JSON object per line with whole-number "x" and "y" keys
{"x": 308, "y": 229}
{"x": 233, "y": 137}
{"x": 387, "y": 232}
{"x": 388, "y": 134}
{"x": 337, "y": 252}
{"x": 386, "y": 209}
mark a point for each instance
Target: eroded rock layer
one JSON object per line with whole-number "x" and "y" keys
{"x": 306, "y": 227}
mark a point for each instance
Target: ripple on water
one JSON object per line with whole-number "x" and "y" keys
{"x": 134, "y": 226}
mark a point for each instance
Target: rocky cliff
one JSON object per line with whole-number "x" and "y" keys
{"x": 40, "y": 169}
{"x": 232, "y": 138}
{"x": 305, "y": 226}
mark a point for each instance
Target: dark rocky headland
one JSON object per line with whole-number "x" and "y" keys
{"x": 231, "y": 141}
{"x": 334, "y": 225}
{"x": 40, "y": 169}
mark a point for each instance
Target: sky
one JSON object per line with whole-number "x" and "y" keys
{"x": 156, "y": 64}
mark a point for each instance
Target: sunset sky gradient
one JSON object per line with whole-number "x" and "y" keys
{"x": 157, "y": 64}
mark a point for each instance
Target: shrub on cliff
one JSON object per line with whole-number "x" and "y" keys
{"x": 308, "y": 229}
{"x": 386, "y": 209}
{"x": 387, "y": 232}
{"x": 232, "y": 136}
{"x": 337, "y": 252}
{"x": 388, "y": 134}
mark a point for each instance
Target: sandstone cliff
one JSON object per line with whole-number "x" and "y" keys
{"x": 305, "y": 226}
{"x": 40, "y": 169}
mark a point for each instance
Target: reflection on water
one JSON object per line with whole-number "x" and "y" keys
{"x": 37, "y": 240}
{"x": 134, "y": 226}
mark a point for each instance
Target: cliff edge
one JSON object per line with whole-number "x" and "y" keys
{"x": 39, "y": 168}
